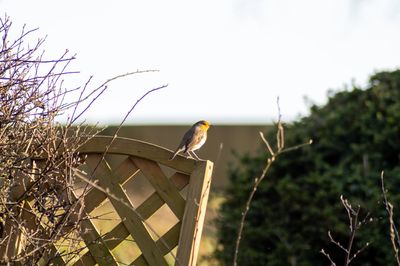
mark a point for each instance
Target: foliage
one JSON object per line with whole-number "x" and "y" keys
{"x": 355, "y": 136}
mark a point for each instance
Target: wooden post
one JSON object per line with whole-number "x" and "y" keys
{"x": 195, "y": 210}
{"x": 12, "y": 240}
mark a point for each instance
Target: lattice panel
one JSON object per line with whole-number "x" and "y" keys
{"x": 181, "y": 193}
{"x": 166, "y": 192}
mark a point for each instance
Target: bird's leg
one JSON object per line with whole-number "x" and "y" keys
{"x": 190, "y": 155}
{"x": 176, "y": 153}
{"x": 197, "y": 157}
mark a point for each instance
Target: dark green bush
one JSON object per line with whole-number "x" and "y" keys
{"x": 355, "y": 136}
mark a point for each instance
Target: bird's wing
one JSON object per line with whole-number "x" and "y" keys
{"x": 188, "y": 138}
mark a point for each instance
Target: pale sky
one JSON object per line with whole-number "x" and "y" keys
{"x": 224, "y": 61}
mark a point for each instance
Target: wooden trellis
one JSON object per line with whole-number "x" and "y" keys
{"x": 192, "y": 177}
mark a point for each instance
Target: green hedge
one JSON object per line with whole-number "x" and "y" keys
{"x": 355, "y": 136}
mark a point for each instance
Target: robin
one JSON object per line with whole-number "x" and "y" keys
{"x": 193, "y": 139}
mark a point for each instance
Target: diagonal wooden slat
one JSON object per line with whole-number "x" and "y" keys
{"x": 125, "y": 171}
{"x": 146, "y": 209}
{"x": 167, "y": 191}
{"x": 51, "y": 257}
{"x": 154, "y": 202}
{"x": 171, "y": 238}
{"x": 99, "y": 251}
{"x": 33, "y": 224}
{"x": 112, "y": 239}
{"x": 96, "y": 245}
{"x": 85, "y": 260}
{"x": 131, "y": 219}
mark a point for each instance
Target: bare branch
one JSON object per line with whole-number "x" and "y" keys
{"x": 280, "y": 135}
{"x": 328, "y": 257}
{"x": 354, "y": 226}
{"x": 394, "y": 234}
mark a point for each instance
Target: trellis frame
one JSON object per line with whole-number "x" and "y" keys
{"x": 145, "y": 157}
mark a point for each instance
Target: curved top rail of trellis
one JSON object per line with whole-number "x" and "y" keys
{"x": 146, "y": 158}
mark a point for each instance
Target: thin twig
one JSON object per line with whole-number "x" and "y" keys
{"x": 280, "y": 136}
{"x": 394, "y": 234}
{"x": 123, "y": 121}
{"x": 328, "y": 257}
{"x": 354, "y": 226}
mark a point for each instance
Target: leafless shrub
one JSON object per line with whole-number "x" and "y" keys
{"x": 32, "y": 96}
{"x": 38, "y": 156}
{"x": 354, "y": 225}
